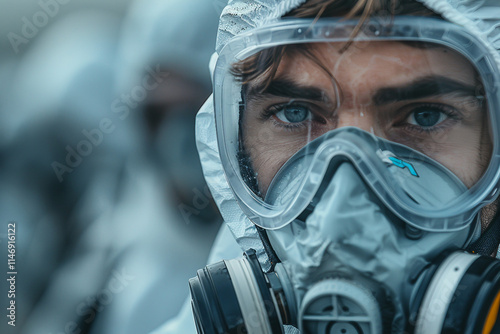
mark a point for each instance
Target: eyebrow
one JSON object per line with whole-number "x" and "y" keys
{"x": 424, "y": 87}
{"x": 421, "y": 88}
{"x": 287, "y": 88}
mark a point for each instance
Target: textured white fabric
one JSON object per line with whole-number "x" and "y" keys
{"x": 242, "y": 15}
{"x": 480, "y": 17}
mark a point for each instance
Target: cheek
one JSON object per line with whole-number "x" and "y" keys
{"x": 266, "y": 165}
{"x": 469, "y": 154}
{"x": 466, "y": 162}
{"x": 269, "y": 151}
{"x": 268, "y": 159}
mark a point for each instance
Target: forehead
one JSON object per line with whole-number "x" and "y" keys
{"x": 371, "y": 64}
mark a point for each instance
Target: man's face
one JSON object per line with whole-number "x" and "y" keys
{"x": 420, "y": 96}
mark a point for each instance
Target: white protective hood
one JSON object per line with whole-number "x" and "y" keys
{"x": 481, "y": 17}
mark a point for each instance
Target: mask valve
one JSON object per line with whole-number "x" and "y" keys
{"x": 337, "y": 306}
{"x": 413, "y": 233}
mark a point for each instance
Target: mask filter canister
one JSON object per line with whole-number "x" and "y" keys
{"x": 235, "y": 296}
{"x": 463, "y": 296}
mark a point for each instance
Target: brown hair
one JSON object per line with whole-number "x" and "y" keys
{"x": 264, "y": 64}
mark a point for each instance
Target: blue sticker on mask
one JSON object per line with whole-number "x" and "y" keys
{"x": 402, "y": 164}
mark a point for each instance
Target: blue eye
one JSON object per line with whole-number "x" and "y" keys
{"x": 426, "y": 117}
{"x": 293, "y": 114}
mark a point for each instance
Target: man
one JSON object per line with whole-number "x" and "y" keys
{"x": 352, "y": 153}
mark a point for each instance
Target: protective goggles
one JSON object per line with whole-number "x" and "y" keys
{"x": 412, "y": 103}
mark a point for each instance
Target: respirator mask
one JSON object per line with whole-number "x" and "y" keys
{"x": 363, "y": 161}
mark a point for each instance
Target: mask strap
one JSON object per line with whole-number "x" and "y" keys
{"x": 271, "y": 254}
{"x": 488, "y": 242}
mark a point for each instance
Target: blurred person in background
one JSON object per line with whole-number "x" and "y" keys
{"x": 60, "y": 92}
{"x": 165, "y": 210}
{"x": 112, "y": 211}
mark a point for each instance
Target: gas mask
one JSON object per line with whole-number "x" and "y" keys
{"x": 363, "y": 161}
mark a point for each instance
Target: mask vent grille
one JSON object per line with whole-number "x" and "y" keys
{"x": 337, "y": 306}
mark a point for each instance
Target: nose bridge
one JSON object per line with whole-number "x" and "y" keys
{"x": 357, "y": 116}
